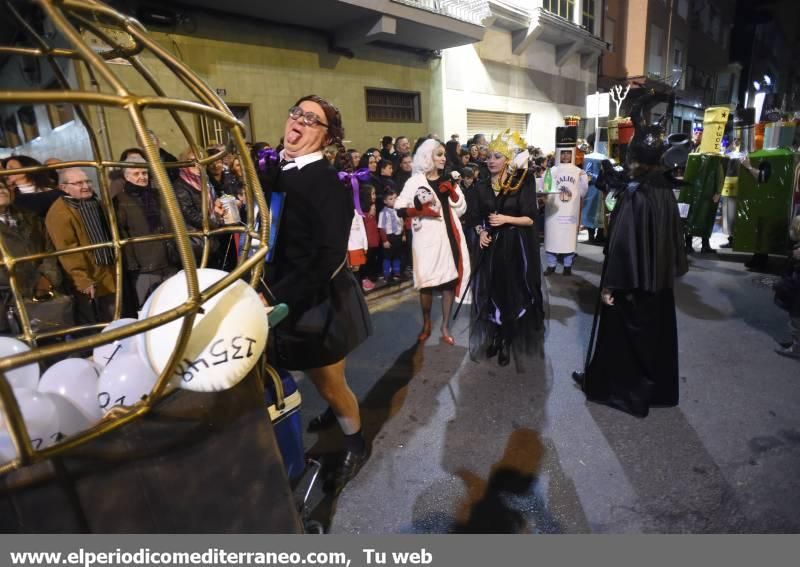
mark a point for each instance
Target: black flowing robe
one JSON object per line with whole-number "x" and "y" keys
{"x": 507, "y": 284}
{"x": 635, "y": 361}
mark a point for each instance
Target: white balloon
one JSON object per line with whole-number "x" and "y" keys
{"x": 25, "y": 376}
{"x": 71, "y": 419}
{"x": 41, "y": 418}
{"x": 227, "y": 337}
{"x": 7, "y": 450}
{"x": 76, "y": 380}
{"x": 104, "y": 354}
{"x": 124, "y": 382}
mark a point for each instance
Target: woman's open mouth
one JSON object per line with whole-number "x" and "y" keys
{"x": 294, "y": 135}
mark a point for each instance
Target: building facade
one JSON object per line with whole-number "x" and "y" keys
{"x": 379, "y": 61}
{"x": 685, "y": 43}
{"x": 535, "y": 65}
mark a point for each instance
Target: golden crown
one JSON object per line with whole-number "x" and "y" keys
{"x": 506, "y": 142}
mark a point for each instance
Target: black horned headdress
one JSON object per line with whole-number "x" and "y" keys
{"x": 649, "y": 139}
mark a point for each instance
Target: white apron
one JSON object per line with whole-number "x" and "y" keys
{"x": 563, "y": 208}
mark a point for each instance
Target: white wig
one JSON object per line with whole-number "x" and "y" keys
{"x": 423, "y": 159}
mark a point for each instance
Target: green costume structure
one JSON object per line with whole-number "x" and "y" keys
{"x": 765, "y": 204}
{"x": 704, "y": 175}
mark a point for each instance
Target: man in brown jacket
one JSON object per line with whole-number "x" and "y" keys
{"x": 77, "y": 219}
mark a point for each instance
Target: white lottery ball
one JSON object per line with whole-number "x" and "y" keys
{"x": 124, "y": 382}
{"x": 227, "y": 337}
{"x": 76, "y": 380}
{"x": 25, "y": 376}
{"x": 104, "y": 354}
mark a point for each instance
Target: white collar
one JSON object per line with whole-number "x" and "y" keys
{"x": 26, "y": 188}
{"x": 301, "y": 161}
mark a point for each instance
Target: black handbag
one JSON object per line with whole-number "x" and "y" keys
{"x": 52, "y": 312}
{"x": 316, "y": 319}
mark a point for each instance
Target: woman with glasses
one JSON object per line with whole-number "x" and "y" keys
{"x": 32, "y": 191}
{"x": 508, "y": 306}
{"x": 435, "y": 202}
{"x": 328, "y": 317}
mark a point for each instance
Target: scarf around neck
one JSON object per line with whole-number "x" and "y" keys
{"x": 149, "y": 202}
{"x": 94, "y": 222}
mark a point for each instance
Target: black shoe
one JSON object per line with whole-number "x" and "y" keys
{"x": 579, "y": 378}
{"x": 784, "y": 344}
{"x": 348, "y": 469}
{"x": 758, "y": 262}
{"x": 567, "y": 271}
{"x": 323, "y": 421}
{"x": 550, "y": 271}
{"x": 707, "y": 250}
{"x": 493, "y": 347}
{"x": 728, "y": 244}
{"x": 789, "y": 352}
{"x": 504, "y": 354}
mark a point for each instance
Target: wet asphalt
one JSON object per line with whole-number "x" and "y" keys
{"x": 463, "y": 446}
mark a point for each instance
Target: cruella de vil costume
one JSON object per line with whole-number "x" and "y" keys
{"x": 435, "y": 202}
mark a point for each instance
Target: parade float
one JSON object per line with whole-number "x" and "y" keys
{"x": 165, "y": 427}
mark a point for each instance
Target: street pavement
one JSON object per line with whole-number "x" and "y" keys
{"x": 462, "y": 446}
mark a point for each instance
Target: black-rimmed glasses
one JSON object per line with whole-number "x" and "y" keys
{"x": 309, "y": 118}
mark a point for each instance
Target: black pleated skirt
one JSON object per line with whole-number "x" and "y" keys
{"x": 343, "y": 325}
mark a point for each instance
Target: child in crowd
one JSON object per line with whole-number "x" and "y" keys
{"x": 392, "y": 236}
{"x": 386, "y": 171}
{"x": 372, "y": 268}
{"x": 357, "y": 247}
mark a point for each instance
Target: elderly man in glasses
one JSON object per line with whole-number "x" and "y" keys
{"x": 77, "y": 219}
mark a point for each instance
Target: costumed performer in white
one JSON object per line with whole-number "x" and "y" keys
{"x": 435, "y": 202}
{"x": 562, "y": 212}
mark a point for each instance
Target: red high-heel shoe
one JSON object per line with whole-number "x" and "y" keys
{"x": 426, "y": 332}
{"x": 448, "y": 339}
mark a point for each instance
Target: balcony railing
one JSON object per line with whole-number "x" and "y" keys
{"x": 469, "y": 11}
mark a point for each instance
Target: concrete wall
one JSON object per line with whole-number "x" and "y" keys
{"x": 612, "y": 63}
{"x": 636, "y": 30}
{"x": 488, "y": 76}
{"x": 270, "y": 68}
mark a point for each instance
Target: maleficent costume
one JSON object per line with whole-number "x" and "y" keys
{"x": 635, "y": 363}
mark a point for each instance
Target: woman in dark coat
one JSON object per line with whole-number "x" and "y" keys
{"x": 328, "y": 317}
{"x": 189, "y": 192}
{"x": 508, "y": 306}
{"x": 23, "y": 234}
{"x": 140, "y": 213}
{"x": 33, "y": 192}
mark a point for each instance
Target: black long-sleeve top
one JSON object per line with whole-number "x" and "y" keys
{"x": 313, "y": 234}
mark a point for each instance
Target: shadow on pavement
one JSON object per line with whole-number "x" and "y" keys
{"x": 694, "y": 497}
{"x": 523, "y": 484}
